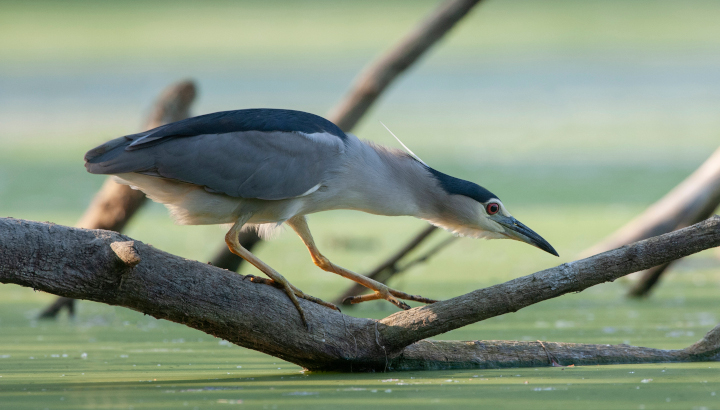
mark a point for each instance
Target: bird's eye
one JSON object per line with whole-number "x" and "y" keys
{"x": 492, "y": 208}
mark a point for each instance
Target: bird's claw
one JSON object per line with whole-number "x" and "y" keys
{"x": 402, "y": 305}
{"x": 374, "y": 296}
{"x": 265, "y": 281}
{"x": 395, "y": 301}
{"x": 293, "y": 293}
{"x": 391, "y": 295}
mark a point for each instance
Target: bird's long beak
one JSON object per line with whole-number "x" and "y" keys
{"x": 515, "y": 229}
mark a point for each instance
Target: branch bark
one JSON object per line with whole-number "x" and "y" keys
{"x": 692, "y": 201}
{"x": 108, "y": 267}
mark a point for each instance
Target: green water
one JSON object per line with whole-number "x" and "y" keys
{"x": 578, "y": 114}
{"x": 113, "y": 358}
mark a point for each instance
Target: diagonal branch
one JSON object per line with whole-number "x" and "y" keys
{"x": 404, "y": 328}
{"x": 691, "y": 201}
{"x": 107, "y": 267}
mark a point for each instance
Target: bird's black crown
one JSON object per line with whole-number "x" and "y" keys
{"x": 457, "y": 186}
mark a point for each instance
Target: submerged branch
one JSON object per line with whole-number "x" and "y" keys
{"x": 493, "y": 354}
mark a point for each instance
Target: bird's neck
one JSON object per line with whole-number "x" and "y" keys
{"x": 389, "y": 182}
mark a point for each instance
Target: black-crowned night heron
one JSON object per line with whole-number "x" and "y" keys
{"x": 265, "y": 167}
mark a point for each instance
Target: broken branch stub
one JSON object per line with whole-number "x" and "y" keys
{"x": 127, "y": 253}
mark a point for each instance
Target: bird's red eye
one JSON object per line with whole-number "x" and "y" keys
{"x": 492, "y": 208}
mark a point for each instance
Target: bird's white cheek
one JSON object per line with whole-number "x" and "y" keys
{"x": 480, "y": 234}
{"x": 484, "y": 230}
{"x": 490, "y": 226}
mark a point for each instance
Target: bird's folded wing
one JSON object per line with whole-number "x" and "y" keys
{"x": 256, "y": 153}
{"x": 250, "y": 164}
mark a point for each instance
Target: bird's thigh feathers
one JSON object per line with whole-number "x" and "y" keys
{"x": 189, "y": 204}
{"x": 266, "y": 231}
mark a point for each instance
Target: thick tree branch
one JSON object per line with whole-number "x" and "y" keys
{"x": 107, "y": 267}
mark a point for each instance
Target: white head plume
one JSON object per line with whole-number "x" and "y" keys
{"x": 412, "y": 154}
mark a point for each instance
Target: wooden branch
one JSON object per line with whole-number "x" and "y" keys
{"x": 114, "y": 205}
{"x": 493, "y": 354}
{"x": 54, "y": 309}
{"x": 376, "y": 77}
{"x": 692, "y": 201}
{"x": 85, "y": 264}
{"x": 430, "y": 320}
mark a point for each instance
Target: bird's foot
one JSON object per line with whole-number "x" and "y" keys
{"x": 391, "y": 295}
{"x": 293, "y": 293}
{"x": 299, "y": 293}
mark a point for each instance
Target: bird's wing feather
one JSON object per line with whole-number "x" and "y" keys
{"x": 257, "y": 119}
{"x": 262, "y": 163}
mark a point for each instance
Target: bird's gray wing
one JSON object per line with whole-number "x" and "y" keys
{"x": 256, "y": 153}
{"x": 250, "y": 164}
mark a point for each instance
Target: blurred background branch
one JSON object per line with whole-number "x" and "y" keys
{"x": 115, "y": 204}
{"x": 693, "y": 200}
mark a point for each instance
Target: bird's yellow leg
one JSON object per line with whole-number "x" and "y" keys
{"x": 231, "y": 238}
{"x": 382, "y": 291}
